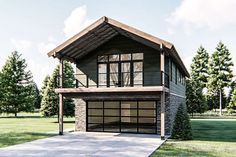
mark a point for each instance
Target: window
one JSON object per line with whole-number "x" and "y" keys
{"x": 120, "y": 70}
{"x": 137, "y": 56}
{"x": 125, "y": 57}
{"x": 176, "y": 77}
{"x": 102, "y": 74}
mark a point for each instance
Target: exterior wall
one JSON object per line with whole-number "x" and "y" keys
{"x": 176, "y": 86}
{"x": 119, "y": 45}
{"x": 172, "y": 103}
{"x": 80, "y": 115}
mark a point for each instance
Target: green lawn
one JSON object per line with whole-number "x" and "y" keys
{"x": 212, "y": 138}
{"x": 28, "y": 127}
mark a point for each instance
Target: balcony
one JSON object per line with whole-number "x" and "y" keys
{"x": 117, "y": 80}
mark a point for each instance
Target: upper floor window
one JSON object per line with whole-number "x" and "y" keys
{"x": 120, "y": 70}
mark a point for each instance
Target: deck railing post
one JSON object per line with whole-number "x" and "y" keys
{"x": 162, "y": 68}
{"x": 61, "y": 98}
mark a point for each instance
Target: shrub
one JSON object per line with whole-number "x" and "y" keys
{"x": 182, "y": 126}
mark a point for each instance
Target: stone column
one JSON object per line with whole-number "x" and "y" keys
{"x": 80, "y": 115}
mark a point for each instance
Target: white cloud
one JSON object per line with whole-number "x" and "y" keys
{"x": 213, "y": 14}
{"x": 21, "y": 45}
{"x": 44, "y": 48}
{"x": 76, "y": 21}
{"x": 187, "y": 62}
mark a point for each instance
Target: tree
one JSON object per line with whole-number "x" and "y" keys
{"x": 232, "y": 104}
{"x": 231, "y": 90}
{"x": 45, "y": 84}
{"x": 37, "y": 96}
{"x": 199, "y": 67}
{"x": 16, "y": 86}
{"x": 182, "y": 126}
{"x": 195, "y": 99}
{"x": 49, "y": 106}
{"x": 220, "y": 72}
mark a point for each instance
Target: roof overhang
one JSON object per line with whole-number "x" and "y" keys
{"x": 104, "y": 30}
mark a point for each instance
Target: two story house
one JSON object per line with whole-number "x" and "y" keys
{"x": 126, "y": 80}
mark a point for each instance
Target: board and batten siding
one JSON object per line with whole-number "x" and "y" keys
{"x": 122, "y": 45}
{"x": 176, "y": 87}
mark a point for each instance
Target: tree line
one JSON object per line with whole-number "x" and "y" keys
{"x": 19, "y": 92}
{"x": 210, "y": 75}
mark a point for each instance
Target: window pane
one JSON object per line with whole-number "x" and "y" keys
{"x": 111, "y": 104}
{"x": 95, "y": 119}
{"x": 112, "y": 124}
{"x": 147, "y": 104}
{"x": 102, "y": 79}
{"x": 125, "y": 57}
{"x": 147, "y": 113}
{"x": 127, "y": 120}
{"x": 111, "y": 112}
{"x": 102, "y": 68}
{"x": 114, "y": 57}
{"x": 128, "y": 104}
{"x": 125, "y": 67}
{"x": 95, "y": 127}
{"x": 95, "y": 112}
{"x": 138, "y": 78}
{"x": 138, "y": 66}
{"x": 102, "y": 58}
{"x": 147, "y": 121}
{"x": 137, "y": 56}
{"x": 95, "y": 104}
{"x": 129, "y": 112}
{"x": 114, "y": 74}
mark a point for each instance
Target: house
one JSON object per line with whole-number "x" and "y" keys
{"x": 126, "y": 80}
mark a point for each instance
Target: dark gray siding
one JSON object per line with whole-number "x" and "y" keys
{"x": 120, "y": 44}
{"x": 176, "y": 87}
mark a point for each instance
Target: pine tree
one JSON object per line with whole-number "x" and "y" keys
{"x": 49, "y": 104}
{"x": 195, "y": 99}
{"x": 182, "y": 126}
{"x": 231, "y": 90}
{"x": 45, "y": 84}
{"x": 50, "y": 100}
{"x": 232, "y": 104}
{"x": 220, "y": 72}
{"x": 16, "y": 86}
{"x": 37, "y": 96}
{"x": 199, "y": 66}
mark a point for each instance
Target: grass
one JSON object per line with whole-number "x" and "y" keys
{"x": 211, "y": 138}
{"x": 28, "y": 127}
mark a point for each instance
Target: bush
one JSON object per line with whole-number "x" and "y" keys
{"x": 182, "y": 126}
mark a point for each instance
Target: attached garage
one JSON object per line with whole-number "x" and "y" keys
{"x": 122, "y": 116}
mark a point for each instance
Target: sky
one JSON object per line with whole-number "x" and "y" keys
{"x": 35, "y": 27}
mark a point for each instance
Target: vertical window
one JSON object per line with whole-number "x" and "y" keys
{"x": 176, "y": 77}
{"x": 138, "y": 73}
{"x": 102, "y": 75}
{"x": 114, "y": 77}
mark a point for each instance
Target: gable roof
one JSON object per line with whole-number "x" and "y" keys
{"x": 102, "y": 31}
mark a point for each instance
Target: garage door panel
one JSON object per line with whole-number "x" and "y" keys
{"x": 111, "y": 112}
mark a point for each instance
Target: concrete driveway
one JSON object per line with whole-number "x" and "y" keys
{"x": 87, "y": 144}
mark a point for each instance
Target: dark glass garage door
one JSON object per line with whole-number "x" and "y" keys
{"x": 121, "y": 116}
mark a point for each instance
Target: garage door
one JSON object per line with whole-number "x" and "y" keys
{"x": 122, "y": 116}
